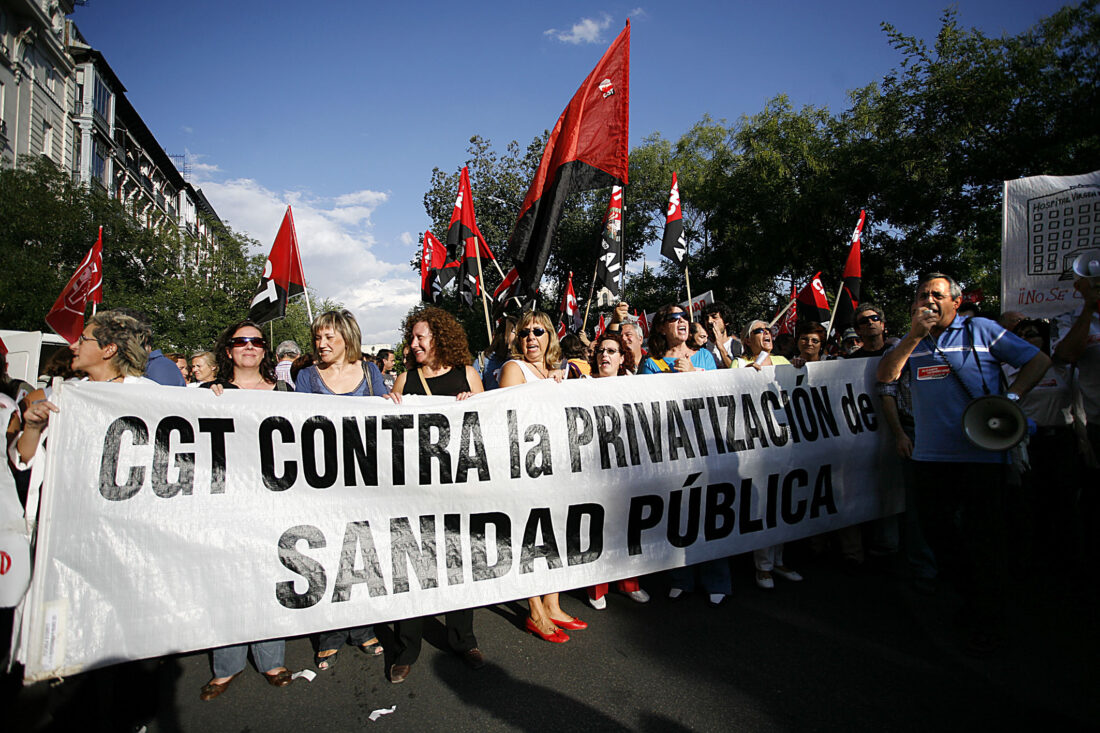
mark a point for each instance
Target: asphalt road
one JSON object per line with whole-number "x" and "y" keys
{"x": 835, "y": 652}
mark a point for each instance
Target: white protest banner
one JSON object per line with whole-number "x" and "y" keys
{"x": 1048, "y": 221}
{"x": 698, "y": 304}
{"x": 175, "y": 520}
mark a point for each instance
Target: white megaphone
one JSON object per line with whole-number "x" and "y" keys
{"x": 994, "y": 423}
{"x": 1087, "y": 263}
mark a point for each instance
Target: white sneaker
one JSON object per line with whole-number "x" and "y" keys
{"x": 764, "y": 579}
{"x": 786, "y": 573}
{"x": 674, "y": 593}
{"x": 598, "y": 603}
{"x": 639, "y": 596}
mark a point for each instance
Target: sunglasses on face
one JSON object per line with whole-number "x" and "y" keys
{"x": 673, "y": 317}
{"x": 539, "y": 332}
{"x": 756, "y": 331}
{"x": 868, "y": 319}
{"x": 256, "y": 341}
{"x": 607, "y": 351}
{"x": 809, "y": 340}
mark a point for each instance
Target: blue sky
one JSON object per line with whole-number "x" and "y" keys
{"x": 342, "y": 108}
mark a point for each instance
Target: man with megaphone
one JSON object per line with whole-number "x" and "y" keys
{"x": 961, "y": 474}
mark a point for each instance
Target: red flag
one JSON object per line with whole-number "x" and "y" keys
{"x": 812, "y": 303}
{"x": 463, "y": 224}
{"x": 588, "y": 148}
{"x": 434, "y": 275}
{"x": 602, "y": 327}
{"x": 849, "y": 291}
{"x": 643, "y": 322}
{"x": 790, "y": 318}
{"x": 508, "y": 287}
{"x": 973, "y": 296}
{"x": 283, "y": 276}
{"x": 570, "y": 312}
{"x": 66, "y": 317}
{"x": 673, "y": 245}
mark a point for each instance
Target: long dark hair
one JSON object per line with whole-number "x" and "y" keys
{"x": 225, "y": 364}
{"x": 658, "y": 344}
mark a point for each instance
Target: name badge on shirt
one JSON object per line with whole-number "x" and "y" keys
{"x": 933, "y": 372}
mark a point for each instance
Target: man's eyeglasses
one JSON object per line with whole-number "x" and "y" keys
{"x": 82, "y": 338}
{"x": 524, "y": 333}
{"x": 256, "y": 341}
{"x": 874, "y": 318}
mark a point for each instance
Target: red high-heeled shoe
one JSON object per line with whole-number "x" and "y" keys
{"x": 558, "y": 637}
{"x": 575, "y": 625}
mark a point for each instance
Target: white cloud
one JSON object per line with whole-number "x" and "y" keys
{"x": 636, "y": 13}
{"x": 336, "y": 242}
{"x": 586, "y": 30}
{"x": 408, "y": 239}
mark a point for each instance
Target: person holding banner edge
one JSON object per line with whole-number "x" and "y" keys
{"x": 441, "y": 354}
{"x": 961, "y": 486}
{"x": 536, "y": 354}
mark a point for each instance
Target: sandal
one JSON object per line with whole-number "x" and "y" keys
{"x": 371, "y": 648}
{"x": 327, "y": 662}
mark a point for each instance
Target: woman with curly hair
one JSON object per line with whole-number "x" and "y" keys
{"x": 244, "y": 361}
{"x": 440, "y": 365}
{"x": 612, "y": 359}
{"x": 536, "y": 355}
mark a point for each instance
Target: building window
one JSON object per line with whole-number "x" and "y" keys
{"x": 51, "y": 80}
{"x": 101, "y": 100}
{"x": 47, "y": 139}
{"x": 99, "y": 161}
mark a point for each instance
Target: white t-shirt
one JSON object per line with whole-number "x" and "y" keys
{"x": 1088, "y": 366}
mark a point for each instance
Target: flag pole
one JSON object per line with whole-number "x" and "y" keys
{"x": 687, "y": 279}
{"x": 782, "y": 312}
{"x": 481, "y": 287}
{"x": 836, "y": 302}
{"x": 591, "y": 292}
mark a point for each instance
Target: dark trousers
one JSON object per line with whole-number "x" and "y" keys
{"x": 410, "y": 632}
{"x": 335, "y": 639}
{"x": 962, "y": 508}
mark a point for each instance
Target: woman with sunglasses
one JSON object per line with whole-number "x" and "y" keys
{"x": 757, "y": 339}
{"x": 668, "y": 345}
{"x": 244, "y": 362}
{"x": 670, "y": 353}
{"x": 611, "y": 358}
{"x": 339, "y": 369}
{"x": 536, "y": 355}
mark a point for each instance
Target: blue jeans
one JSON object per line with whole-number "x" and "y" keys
{"x": 268, "y": 655}
{"x": 714, "y": 576}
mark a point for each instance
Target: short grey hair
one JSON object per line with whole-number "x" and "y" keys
{"x": 287, "y": 348}
{"x": 955, "y": 290}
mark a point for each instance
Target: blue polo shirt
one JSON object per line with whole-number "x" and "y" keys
{"x": 939, "y": 399}
{"x": 701, "y": 359}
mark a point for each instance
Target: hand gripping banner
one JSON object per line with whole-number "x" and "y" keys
{"x": 173, "y": 522}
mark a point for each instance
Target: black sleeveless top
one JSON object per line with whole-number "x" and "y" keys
{"x": 451, "y": 384}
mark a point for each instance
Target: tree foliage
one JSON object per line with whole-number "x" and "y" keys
{"x": 771, "y": 198}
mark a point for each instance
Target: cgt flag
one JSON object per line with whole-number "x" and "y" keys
{"x": 570, "y": 312}
{"x": 811, "y": 302}
{"x": 434, "y": 273}
{"x": 609, "y": 266}
{"x": 283, "y": 276}
{"x": 588, "y": 148}
{"x": 848, "y": 298}
{"x": 66, "y": 317}
{"x": 673, "y": 246}
{"x": 790, "y": 318}
{"x": 464, "y": 240}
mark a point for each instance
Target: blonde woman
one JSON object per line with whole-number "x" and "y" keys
{"x": 536, "y": 355}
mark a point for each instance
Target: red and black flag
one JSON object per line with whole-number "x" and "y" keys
{"x": 588, "y": 148}
{"x": 570, "y": 311}
{"x": 609, "y": 266}
{"x": 508, "y": 288}
{"x": 464, "y": 240}
{"x": 434, "y": 272}
{"x": 811, "y": 302}
{"x": 790, "y": 318}
{"x": 283, "y": 276}
{"x": 848, "y": 297}
{"x": 674, "y": 246}
{"x": 66, "y": 317}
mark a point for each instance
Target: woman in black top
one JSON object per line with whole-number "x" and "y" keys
{"x": 440, "y": 365}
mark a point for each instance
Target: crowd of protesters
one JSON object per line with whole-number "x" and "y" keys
{"x": 1051, "y": 367}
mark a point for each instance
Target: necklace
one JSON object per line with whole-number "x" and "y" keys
{"x": 540, "y": 369}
